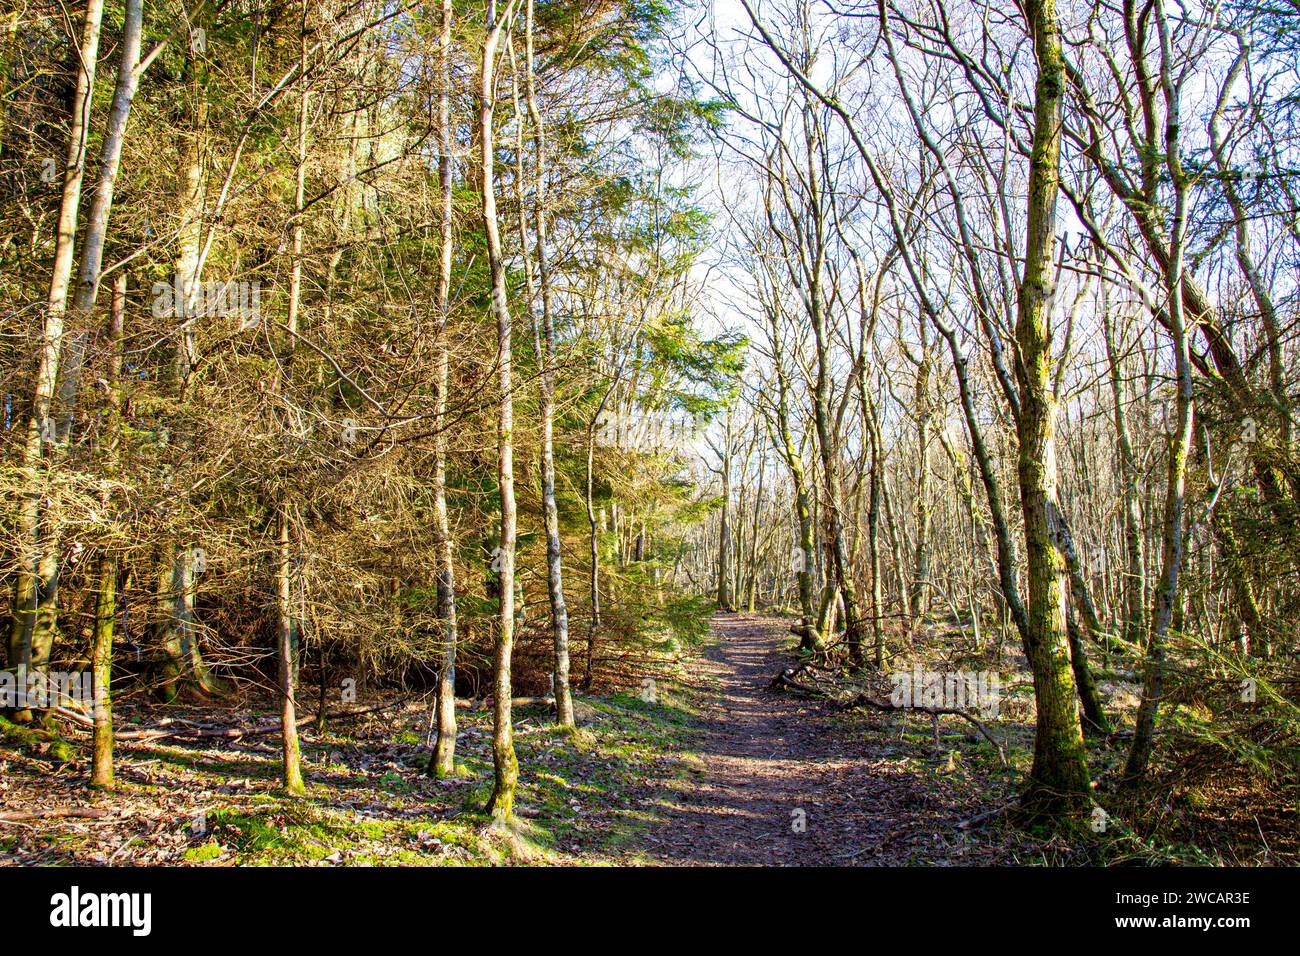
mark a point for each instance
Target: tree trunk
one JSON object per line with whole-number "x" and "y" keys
{"x": 101, "y": 654}
{"x": 1166, "y": 596}
{"x": 873, "y": 530}
{"x": 444, "y": 753}
{"x": 287, "y": 617}
{"x": 594, "y": 525}
{"x": 505, "y": 764}
{"x": 725, "y": 601}
{"x": 921, "y": 562}
{"x": 752, "y": 582}
{"x": 1135, "y": 573}
{"x": 1060, "y": 772}
{"x": 546, "y": 359}
{"x": 184, "y": 662}
{"x": 32, "y": 635}
{"x": 101, "y": 657}
{"x": 1094, "y": 716}
{"x": 291, "y": 759}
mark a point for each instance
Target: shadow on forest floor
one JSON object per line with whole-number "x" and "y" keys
{"x": 781, "y": 780}
{"x": 715, "y": 768}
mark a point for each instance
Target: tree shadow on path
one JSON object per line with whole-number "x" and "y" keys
{"x": 787, "y": 781}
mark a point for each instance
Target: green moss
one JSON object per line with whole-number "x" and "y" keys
{"x": 382, "y": 809}
{"x": 202, "y": 854}
{"x": 291, "y": 834}
{"x": 36, "y": 742}
{"x": 247, "y": 833}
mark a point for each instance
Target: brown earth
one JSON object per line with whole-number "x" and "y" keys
{"x": 784, "y": 780}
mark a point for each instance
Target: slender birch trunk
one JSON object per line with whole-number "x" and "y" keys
{"x": 550, "y": 510}
{"x": 444, "y": 752}
{"x": 506, "y": 766}
{"x": 593, "y": 538}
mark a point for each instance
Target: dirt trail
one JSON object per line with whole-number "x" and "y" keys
{"x": 772, "y": 761}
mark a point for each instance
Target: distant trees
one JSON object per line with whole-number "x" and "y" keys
{"x": 914, "y": 170}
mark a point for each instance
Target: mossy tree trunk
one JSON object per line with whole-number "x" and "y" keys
{"x": 101, "y": 654}
{"x": 101, "y": 658}
{"x": 1059, "y": 777}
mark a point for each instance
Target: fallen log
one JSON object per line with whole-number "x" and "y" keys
{"x": 190, "y": 729}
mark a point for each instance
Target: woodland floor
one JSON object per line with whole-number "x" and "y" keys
{"x": 717, "y": 768}
{"x": 782, "y": 780}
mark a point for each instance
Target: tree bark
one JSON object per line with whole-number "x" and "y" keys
{"x": 1060, "y": 772}
{"x": 546, "y": 357}
{"x": 287, "y": 619}
{"x": 1166, "y": 596}
{"x": 32, "y": 634}
{"x": 1135, "y": 574}
{"x": 505, "y": 764}
{"x": 725, "y": 599}
{"x": 444, "y": 752}
{"x": 101, "y": 654}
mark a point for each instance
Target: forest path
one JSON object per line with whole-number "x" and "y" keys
{"x": 770, "y": 761}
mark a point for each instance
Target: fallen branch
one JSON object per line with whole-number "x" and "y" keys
{"x": 76, "y": 716}
{"x": 514, "y": 702}
{"x": 192, "y": 729}
{"x": 202, "y": 731}
{"x": 22, "y": 816}
{"x": 786, "y": 680}
{"x": 981, "y": 818}
{"x": 865, "y": 700}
